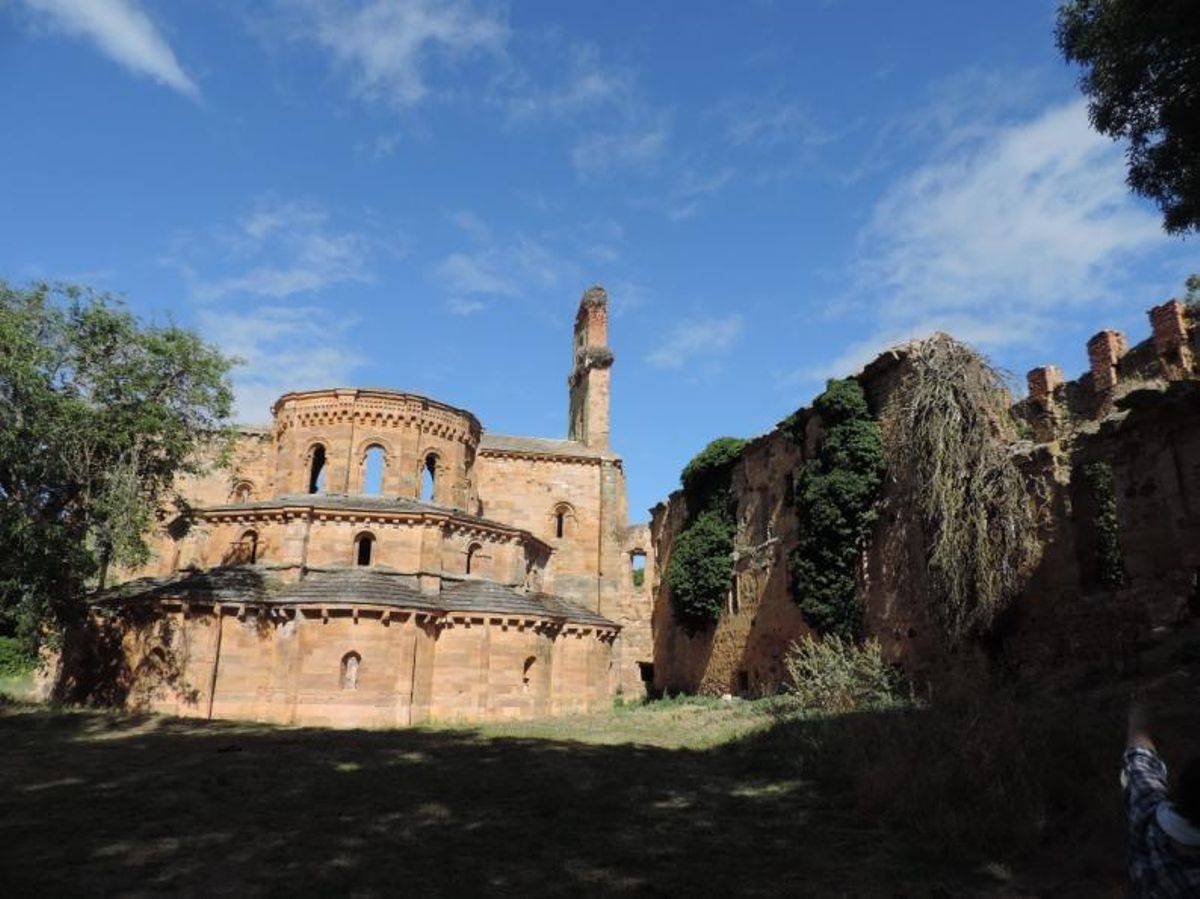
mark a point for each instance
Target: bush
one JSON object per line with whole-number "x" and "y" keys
{"x": 700, "y": 569}
{"x": 15, "y": 659}
{"x": 836, "y": 675}
{"x": 836, "y": 493}
{"x": 708, "y": 471}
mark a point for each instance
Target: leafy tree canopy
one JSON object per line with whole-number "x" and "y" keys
{"x": 98, "y": 413}
{"x": 1141, "y": 76}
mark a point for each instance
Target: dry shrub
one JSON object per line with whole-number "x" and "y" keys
{"x": 948, "y": 428}
{"x": 989, "y": 777}
{"x": 836, "y": 675}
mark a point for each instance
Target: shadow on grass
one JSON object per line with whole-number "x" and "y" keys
{"x": 107, "y": 803}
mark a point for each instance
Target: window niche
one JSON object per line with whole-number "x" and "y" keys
{"x": 429, "y": 475}
{"x": 348, "y": 679}
{"x": 474, "y": 558}
{"x": 562, "y": 521}
{"x": 316, "y": 469}
{"x": 637, "y": 568}
{"x": 364, "y": 549}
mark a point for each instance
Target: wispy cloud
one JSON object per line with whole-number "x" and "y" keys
{"x": 579, "y": 81}
{"x": 602, "y": 152}
{"x": 754, "y": 121}
{"x": 388, "y": 47}
{"x": 698, "y": 336}
{"x": 281, "y": 348}
{"x": 998, "y": 232}
{"x": 463, "y": 307}
{"x": 122, "y": 31}
{"x": 508, "y": 269}
{"x": 278, "y": 249}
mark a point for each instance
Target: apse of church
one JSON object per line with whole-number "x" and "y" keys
{"x": 377, "y": 558}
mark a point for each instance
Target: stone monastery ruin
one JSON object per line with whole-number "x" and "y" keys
{"x": 486, "y": 577}
{"x": 489, "y": 576}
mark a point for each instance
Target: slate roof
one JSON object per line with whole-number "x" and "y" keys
{"x": 543, "y": 446}
{"x": 349, "y": 586}
{"x": 488, "y": 596}
{"x": 359, "y": 502}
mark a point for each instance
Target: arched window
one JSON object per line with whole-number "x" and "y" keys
{"x": 242, "y": 492}
{"x": 247, "y": 547}
{"x": 473, "y": 558}
{"x": 529, "y": 663}
{"x": 563, "y": 520}
{"x": 364, "y": 545}
{"x": 316, "y": 470}
{"x": 374, "y": 463}
{"x": 349, "y": 673}
{"x": 429, "y": 478}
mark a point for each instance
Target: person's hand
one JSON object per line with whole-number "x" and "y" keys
{"x": 1139, "y": 726}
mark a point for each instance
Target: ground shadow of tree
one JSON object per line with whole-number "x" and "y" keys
{"x": 102, "y": 804}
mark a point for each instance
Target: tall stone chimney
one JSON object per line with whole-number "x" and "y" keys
{"x": 589, "y": 382}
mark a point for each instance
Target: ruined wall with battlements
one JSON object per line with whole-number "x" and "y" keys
{"x": 1136, "y": 411}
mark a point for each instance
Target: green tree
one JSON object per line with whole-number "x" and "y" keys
{"x": 1141, "y": 62}
{"x": 98, "y": 414}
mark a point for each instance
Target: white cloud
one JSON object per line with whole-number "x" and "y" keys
{"x": 122, "y": 31}
{"x": 582, "y": 84}
{"x": 603, "y": 152}
{"x": 281, "y": 348}
{"x": 701, "y": 336}
{"x": 389, "y": 46}
{"x": 1003, "y": 228}
{"x": 281, "y": 248}
{"x": 508, "y": 269}
{"x": 459, "y": 306}
{"x": 751, "y": 121}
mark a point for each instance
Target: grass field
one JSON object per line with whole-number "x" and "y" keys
{"x": 1002, "y": 796}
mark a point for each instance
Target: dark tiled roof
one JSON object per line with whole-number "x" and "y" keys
{"x": 243, "y": 583}
{"x": 359, "y": 502}
{"x": 488, "y": 596}
{"x": 349, "y": 586}
{"x": 542, "y": 446}
{"x": 357, "y": 585}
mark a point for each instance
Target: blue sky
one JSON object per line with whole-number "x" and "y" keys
{"x": 414, "y": 194}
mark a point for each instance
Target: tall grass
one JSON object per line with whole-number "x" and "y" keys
{"x": 989, "y": 776}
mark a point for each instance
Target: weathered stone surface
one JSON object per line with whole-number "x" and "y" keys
{"x": 1136, "y": 410}
{"x": 283, "y": 591}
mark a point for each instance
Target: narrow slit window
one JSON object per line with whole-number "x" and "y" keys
{"x": 316, "y": 471}
{"x": 429, "y": 479}
{"x": 349, "y": 672}
{"x": 364, "y": 547}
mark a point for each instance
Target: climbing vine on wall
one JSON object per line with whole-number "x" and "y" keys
{"x": 836, "y": 494}
{"x": 948, "y": 431}
{"x": 701, "y": 566}
{"x": 1110, "y": 561}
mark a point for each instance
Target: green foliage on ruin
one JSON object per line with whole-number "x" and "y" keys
{"x": 836, "y": 493}
{"x": 98, "y": 413}
{"x": 1110, "y": 561}
{"x": 701, "y": 567}
{"x": 948, "y": 432}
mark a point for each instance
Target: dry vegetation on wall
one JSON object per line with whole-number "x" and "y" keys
{"x": 947, "y": 428}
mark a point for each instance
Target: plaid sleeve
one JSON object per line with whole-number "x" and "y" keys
{"x": 1145, "y": 777}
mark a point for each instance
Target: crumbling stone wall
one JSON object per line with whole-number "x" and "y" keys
{"x": 1136, "y": 409}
